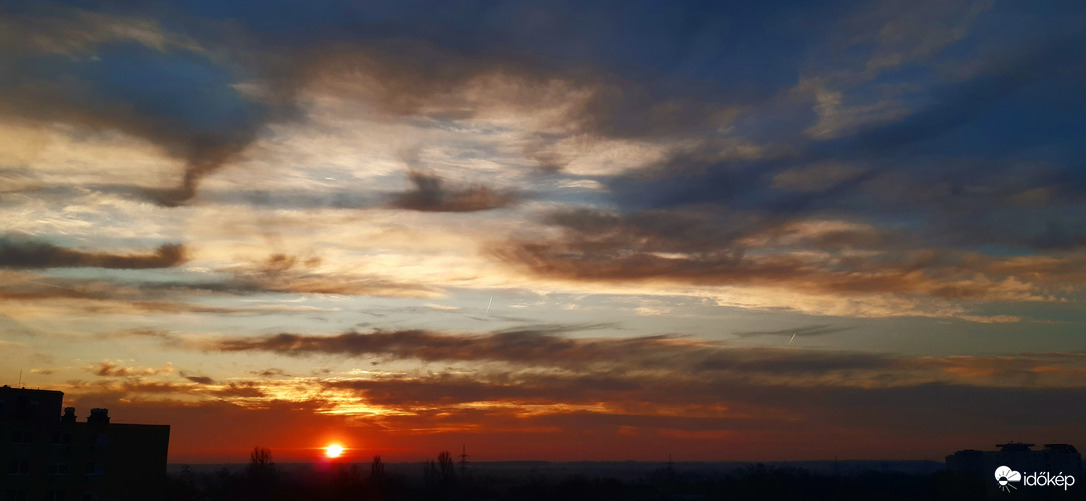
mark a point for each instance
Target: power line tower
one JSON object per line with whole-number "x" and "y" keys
{"x": 463, "y": 459}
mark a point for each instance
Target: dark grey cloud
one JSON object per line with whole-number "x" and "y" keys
{"x": 105, "y": 71}
{"x": 239, "y": 390}
{"x": 25, "y": 253}
{"x": 197, "y": 379}
{"x": 110, "y": 369}
{"x": 723, "y": 401}
{"x": 718, "y": 245}
{"x": 207, "y": 88}
{"x": 610, "y": 361}
{"x": 413, "y": 68}
{"x": 290, "y": 273}
{"x": 533, "y": 346}
{"x": 125, "y": 389}
{"x": 621, "y": 364}
{"x": 932, "y": 171}
{"x": 420, "y": 78}
{"x": 33, "y": 92}
{"x": 278, "y": 273}
{"x": 430, "y": 194}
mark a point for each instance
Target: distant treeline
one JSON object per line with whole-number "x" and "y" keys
{"x": 444, "y": 479}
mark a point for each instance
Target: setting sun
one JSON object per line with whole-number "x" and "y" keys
{"x": 333, "y": 451}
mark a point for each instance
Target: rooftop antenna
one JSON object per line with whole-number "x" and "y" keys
{"x": 20, "y": 378}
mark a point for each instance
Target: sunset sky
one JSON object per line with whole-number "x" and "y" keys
{"x": 563, "y": 231}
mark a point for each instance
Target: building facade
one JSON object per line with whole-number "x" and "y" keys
{"x": 1053, "y": 458}
{"x": 47, "y": 454}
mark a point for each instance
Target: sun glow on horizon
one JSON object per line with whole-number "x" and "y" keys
{"x": 333, "y": 451}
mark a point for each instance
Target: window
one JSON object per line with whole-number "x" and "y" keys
{"x": 62, "y": 442}
{"x": 14, "y": 495}
{"x": 19, "y": 467}
{"x": 54, "y": 496}
{"x": 21, "y": 437}
{"x": 94, "y": 468}
{"x": 58, "y": 469}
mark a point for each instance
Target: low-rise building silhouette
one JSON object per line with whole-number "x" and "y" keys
{"x": 50, "y": 455}
{"x": 1053, "y": 458}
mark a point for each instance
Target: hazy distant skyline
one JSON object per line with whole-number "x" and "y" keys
{"x": 602, "y": 230}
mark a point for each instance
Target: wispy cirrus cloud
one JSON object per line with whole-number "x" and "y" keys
{"x": 803, "y": 331}
{"x": 48, "y": 27}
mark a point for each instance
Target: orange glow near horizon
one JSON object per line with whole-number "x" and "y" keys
{"x": 333, "y": 451}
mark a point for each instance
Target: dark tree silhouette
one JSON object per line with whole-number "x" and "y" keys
{"x": 377, "y": 469}
{"x": 445, "y": 463}
{"x": 430, "y": 473}
{"x": 260, "y": 462}
{"x": 261, "y": 473}
{"x": 441, "y": 473}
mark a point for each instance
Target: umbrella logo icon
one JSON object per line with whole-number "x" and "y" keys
{"x": 1005, "y": 475}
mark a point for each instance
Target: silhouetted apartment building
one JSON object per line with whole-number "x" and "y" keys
{"x": 49, "y": 455}
{"x": 1053, "y": 458}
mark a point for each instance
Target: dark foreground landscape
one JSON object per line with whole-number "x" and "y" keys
{"x": 445, "y": 479}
